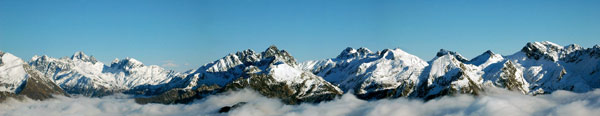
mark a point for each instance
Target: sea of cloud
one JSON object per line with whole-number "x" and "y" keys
{"x": 495, "y": 102}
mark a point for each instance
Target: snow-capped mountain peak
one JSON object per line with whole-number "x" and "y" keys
{"x": 127, "y": 63}
{"x": 83, "y": 57}
{"x": 545, "y": 49}
{"x": 485, "y": 59}
{"x": 354, "y": 53}
{"x": 12, "y": 73}
{"x": 279, "y": 55}
{"x": 456, "y": 55}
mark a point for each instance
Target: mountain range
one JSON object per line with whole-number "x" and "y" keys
{"x": 538, "y": 68}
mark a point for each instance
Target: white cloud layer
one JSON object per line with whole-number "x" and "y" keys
{"x": 494, "y": 103}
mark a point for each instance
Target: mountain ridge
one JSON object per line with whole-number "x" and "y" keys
{"x": 538, "y": 68}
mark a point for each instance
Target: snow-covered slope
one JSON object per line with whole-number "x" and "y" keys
{"x": 12, "y": 73}
{"x": 82, "y": 74}
{"x": 18, "y": 79}
{"x": 369, "y": 74}
{"x": 448, "y": 73}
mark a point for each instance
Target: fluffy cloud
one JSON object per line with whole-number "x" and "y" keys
{"x": 494, "y": 103}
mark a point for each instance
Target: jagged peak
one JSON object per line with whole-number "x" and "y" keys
{"x": 279, "y": 55}
{"x": 544, "y": 45}
{"x": 126, "y": 63}
{"x": 363, "y": 50}
{"x": 597, "y": 46}
{"x": 350, "y": 52}
{"x": 456, "y": 55}
{"x": 272, "y": 50}
{"x": 245, "y": 52}
{"x": 79, "y": 55}
{"x": 545, "y": 49}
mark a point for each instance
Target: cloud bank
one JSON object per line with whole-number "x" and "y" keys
{"x": 493, "y": 103}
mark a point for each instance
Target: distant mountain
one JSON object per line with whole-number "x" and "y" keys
{"x": 83, "y": 74}
{"x": 539, "y": 68}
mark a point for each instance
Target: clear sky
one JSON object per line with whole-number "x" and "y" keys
{"x": 190, "y": 33}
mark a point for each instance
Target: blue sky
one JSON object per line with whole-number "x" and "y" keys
{"x": 190, "y": 33}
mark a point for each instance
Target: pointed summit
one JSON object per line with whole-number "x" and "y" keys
{"x": 79, "y": 55}
{"x": 278, "y": 55}
{"x": 456, "y": 55}
{"x": 489, "y": 52}
{"x": 271, "y": 51}
{"x": 487, "y": 56}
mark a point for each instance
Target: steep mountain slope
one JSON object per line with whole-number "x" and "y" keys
{"x": 448, "y": 73}
{"x": 369, "y": 74}
{"x": 18, "y": 79}
{"x": 12, "y": 73}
